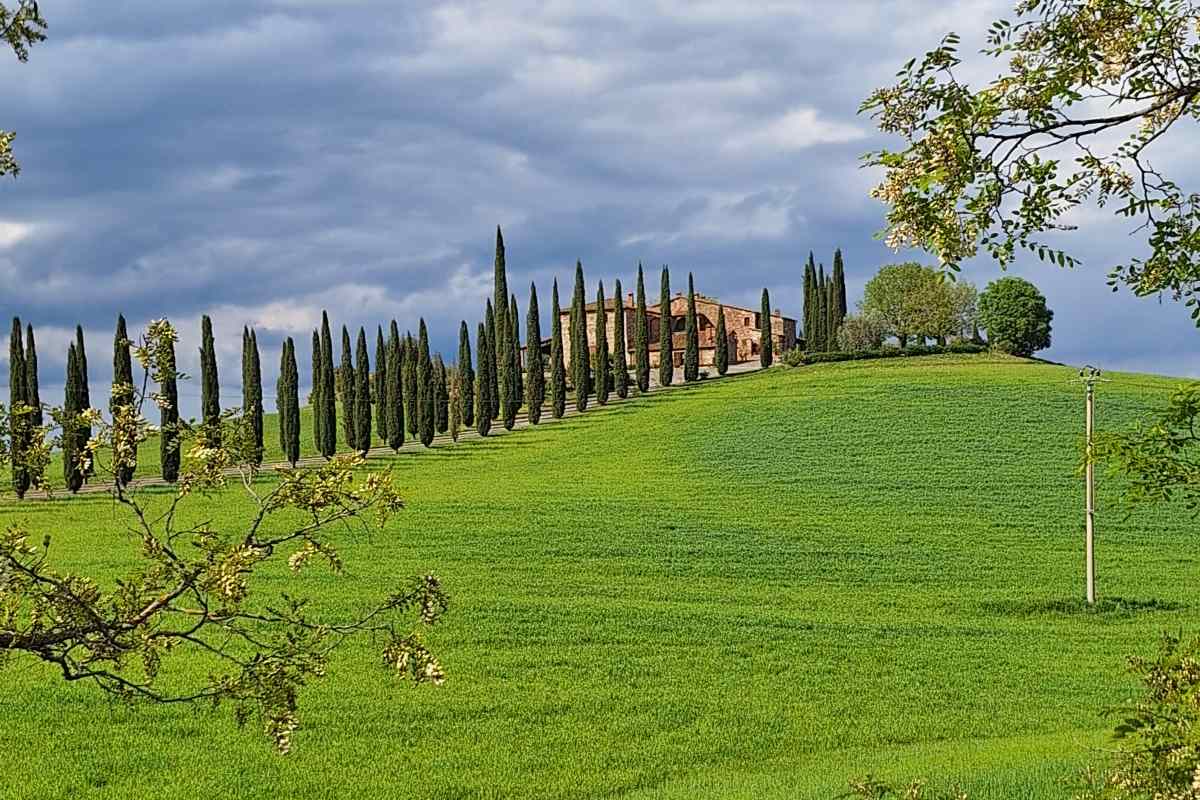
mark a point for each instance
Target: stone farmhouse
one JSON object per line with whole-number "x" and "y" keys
{"x": 742, "y": 328}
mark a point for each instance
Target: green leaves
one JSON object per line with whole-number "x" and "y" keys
{"x": 973, "y": 175}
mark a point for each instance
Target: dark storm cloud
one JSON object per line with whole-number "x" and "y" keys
{"x": 262, "y": 161}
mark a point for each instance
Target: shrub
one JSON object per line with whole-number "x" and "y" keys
{"x": 861, "y": 332}
{"x": 1014, "y": 314}
{"x": 795, "y": 358}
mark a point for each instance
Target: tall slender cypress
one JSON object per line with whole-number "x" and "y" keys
{"x": 558, "y": 372}
{"x": 511, "y": 401}
{"x": 501, "y": 335}
{"x": 394, "y": 384}
{"x": 483, "y": 383}
{"x": 210, "y": 390}
{"x": 168, "y": 435}
{"x": 72, "y": 472}
{"x": 810, "y": 306}
{"x": 122, "y": 392}
{"x": 620, "y": 363}
{"x": 33, "y": 394}
{"x": 581, "y": 370}
{"x": 494, "y": 397}
{"x": 454, "y": 390}
{"x": 349, "y": 409}
{"x": 362, "y": 395}
{"x": 256, "y": 406}
{"x": 19, "y": 421}
{"x": 766, "y": 349}
{"x": 328, "y": 396}
{"x": 315, "y": 394}
{"x": 247, "y": 395}
{"x": 822, "y": 311}
{"x": 691, "y": 352}
{"x": 466, "y": 374}
{"x": 441, "y": 395}
{"x": 839, "y": 280}
{"x": 425, "y": 388}
{"x": 603, "y": 377}
{"x": 514, "y": 335}
{"x": 378, "y": 390}
{"x": 409, "y": 375}
{"x": 721, "y": 354}
{"x": 641, "y": 336}
{"x": 666, "y": 350}
{"x": 839, "y": 294}
{"x": 83, "y": 431}
{"x": 287, "y": 402}
{"x": 535, "y": 376}
{"x": 832, "y": 322}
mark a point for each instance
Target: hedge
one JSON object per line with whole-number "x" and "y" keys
{"x": 797, "y": 358}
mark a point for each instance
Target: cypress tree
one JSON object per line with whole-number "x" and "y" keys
{"x": 535, "y": 376}
{"x": 581, "y": 371}
{"x": 810, "y": 305}
{"x": 315, "y": 394}
{"x": 362, "y": 395}
{"x": 514, "y": 327}
{"x": 247, "y": 395}
{"x": 832, "y": 321}
{"x": 466, "y": 374}
{"x": 767, "y": 349}
{"x": 122, "y": 391}
{"x": 441, "y": 395}
{"x": 33, "y": 395}
{"x": 83, "y": 431}
{"x": 168, "y": 437}
{"x": 256, "y": 409}
{"x": 822, "y": 310}
{"x": 513, "y": 354}
{"x": 328, "y": 397}
{"x": 483, "y": 383}
{"x": 425, "y": 388}
{"x": 348, "y": 385}
{"x": 287, "y": 402}
{"x": 19, "y": 421}
{"x": 620, "y": 364}
{"x": 210, "y": 391}
{"x": 394, "y": 384}
{"x": 602, "y": 371}
{"x": 494, "y": 366}
{"x": 641, "y": 336}
{"x": 558, "y": 372}
{"x": 72, "y": 473}
{"x": 378, "y": 390}
{"x": 839, "y": 282}
{"x": 721, "y": 355}
{"x": 454, "y": 382}
{"x": 501, "y": 335}
{"x": 409, "y": 374}
{"x": 691, "y": 353}
{"x": 666, "y": 350}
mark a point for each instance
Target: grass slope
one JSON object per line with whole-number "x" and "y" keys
{"x": 752, "y": 588}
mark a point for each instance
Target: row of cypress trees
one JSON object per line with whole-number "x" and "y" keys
{"x": 824, "y": 304}
{"x": 411, "y": 391}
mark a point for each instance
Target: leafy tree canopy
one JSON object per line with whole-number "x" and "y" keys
{"x": 1086, "y": 91}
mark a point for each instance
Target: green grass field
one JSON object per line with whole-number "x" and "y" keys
{"x": 754, "y": 588}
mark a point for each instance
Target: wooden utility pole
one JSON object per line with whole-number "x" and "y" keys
{"x": 1089, "y": 376}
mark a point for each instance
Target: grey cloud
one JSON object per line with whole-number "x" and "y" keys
{"x": 260, "y": 161}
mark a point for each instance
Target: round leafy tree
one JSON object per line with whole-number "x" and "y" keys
{"x": 1014, "y": 313}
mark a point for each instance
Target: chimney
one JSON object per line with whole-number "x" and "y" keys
{"x": 778, "y": 313}
{"x": 630, "y": 298}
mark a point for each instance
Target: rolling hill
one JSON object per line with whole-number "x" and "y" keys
{"x": 754, "y": 587}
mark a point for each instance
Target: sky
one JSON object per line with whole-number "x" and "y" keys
{"x": 262, "y": 161}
